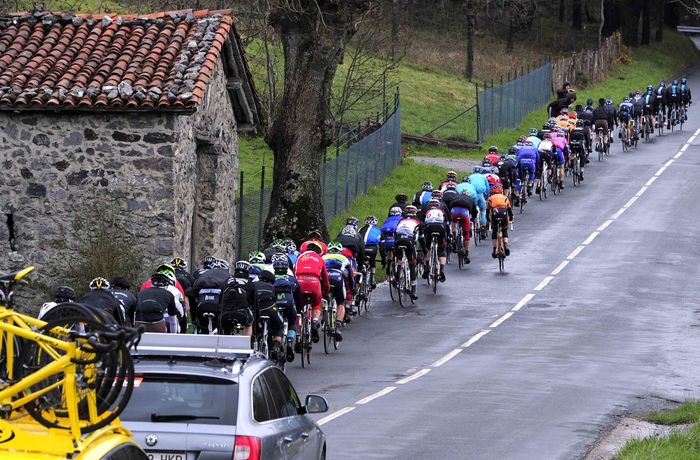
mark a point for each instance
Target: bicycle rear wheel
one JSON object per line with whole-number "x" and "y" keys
{"x": 327, "y": 332}
{"x": 501, "y": 262}
{"x": 392, "y": 280}
{"x": 401, "y": 284}
{"x": 434, "y": 267}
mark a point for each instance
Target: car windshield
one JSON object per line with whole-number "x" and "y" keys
{"x": 182, "y": 398}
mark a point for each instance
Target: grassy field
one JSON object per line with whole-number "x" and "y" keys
{"x": 678, "y": 446}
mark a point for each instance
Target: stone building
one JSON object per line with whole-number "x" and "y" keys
{"x": 136, "y": 115}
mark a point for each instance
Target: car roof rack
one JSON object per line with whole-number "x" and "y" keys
{"x": 228, "y": 347}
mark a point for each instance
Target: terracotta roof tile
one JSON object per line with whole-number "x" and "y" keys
{"x": 160, "y": 61}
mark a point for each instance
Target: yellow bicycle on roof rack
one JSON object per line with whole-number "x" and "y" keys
{"x": 71, "y": 372}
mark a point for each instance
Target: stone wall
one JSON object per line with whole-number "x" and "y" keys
{"x": 57, "y": 167}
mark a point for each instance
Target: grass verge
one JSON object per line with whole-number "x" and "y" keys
{"x": 677, "y": 446}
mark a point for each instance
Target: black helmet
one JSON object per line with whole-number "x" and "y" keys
{"x": 64, "y": 293}
{"x": 120, "y": 282}
{"x": 401, "y": 198}
{"x": 589, "y": 101}
{"x": 267, "y": 276}
{"x": 243, "y": 267}
{"x": 208, "y": 261}
{"x": 160, "y": 280}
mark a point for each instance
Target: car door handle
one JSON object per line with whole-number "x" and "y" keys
{"x": 305, "y": 435}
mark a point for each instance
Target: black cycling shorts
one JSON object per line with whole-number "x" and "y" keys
{"x": 408, "y": 244}
{"x": 242, "y": 316}
{"x": 337, "y": 281}
{"x": 439, "y": 229}
{"x": 499, "y": 216}
{"x": 371, "y": 255}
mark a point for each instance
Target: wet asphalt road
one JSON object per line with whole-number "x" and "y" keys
{"x": 620, "y": 322}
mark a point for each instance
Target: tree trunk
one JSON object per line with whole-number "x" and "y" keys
{"x": 646, "y": 23}
{"x": 660, "y": 29}
{"x": 313, "y": 35}
{"x": 577, "y": 15}
{"x": 511, "y": 34}
{"x": 395, "y": 9}
{"x": 561, "y": 10}
{"x": 587, "y": 11}
{"x": 610, "y": 22}
{"x": 471, "y": 14}
{"x": 629, "y": 14}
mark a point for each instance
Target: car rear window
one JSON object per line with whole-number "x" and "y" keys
{"x": 183, "y": 395}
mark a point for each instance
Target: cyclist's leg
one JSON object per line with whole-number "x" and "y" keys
{"x": 371, "y": 257}
{"x": 442, "y": 254}
{"x": 494, "y": 232}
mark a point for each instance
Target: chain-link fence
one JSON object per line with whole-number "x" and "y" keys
{"x": 505, "y": 106}
{"x": 363, "y": 156}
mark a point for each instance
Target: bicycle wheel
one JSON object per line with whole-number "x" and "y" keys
{"x": 368, "y": 298}
{"x": 392, "y": 280}
{"x": 401, "y": 284}
{"x": 305, "y": 336}
{"x": 523, "y": 197}
{"x": 501, "y": 262}
{"x": 327, "y": 332}
{"x": 434, "y": 262}
{"x": 459, "y": 242}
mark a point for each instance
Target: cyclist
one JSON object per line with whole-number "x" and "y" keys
{"x": 532, "y": 138}
{"x": 61, "y": 294}
{"x": 451, "y": 176}
{"x": 660, "y": 101}
{"x": 686, "y": 97}
{"x": 407, "y": 231}
{"x": 527, "y": 165}
{"x": 492, "y": 155}
{"x": 371, "y": 235}
{"x": 500, "y": 213}
{"x": 313, "y": 237}
{"x": 206, "y": 292}
{"x": 155, "y": 306}
{"x": 649, "y": 108}
{"x": 342, "y": 279}
{"x": 625, "y": 115}
{"x": 577, "y": 144}
{"x": 673, "y": 100}
{"x": 507, "y": 170}
{"x": 350, "y": 239}
{"x": 449, "y": 193}
{"x": 587, "y": 117}
{"x": 422, "y": 197}
{"x": 637, "y": 110}
{"x": 176, "y": 289}
{"x": 462, "y": 210}
{"x": 291, "y": 251}
{"x": 266, "y": 305}
{"x": 401, "y": 202}
{"x": 312, "y": 275}
{"x": 386, "y": 246}
{"x": 547, "y": 152}
{"x": 100, "y": 299}
{"x": 121, "y": 290}
{"x": 612, "y": 116}
{"x": 237, "y": 300}
{"x": 601, "y": 120}
{"x": 276, "y": 246}
{"x": 481, "y": 184}
{"x": 184, "y": 278}
{"x": 434, "y": 226}
{"x": 257, "y": 264}
{"x": 287, "y": 298}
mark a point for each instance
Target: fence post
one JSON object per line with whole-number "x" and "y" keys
{"x": 335, "y": 187}
{"x": 347, "y": 178}
{"x": 260, "y": 206}
{"x": 239, "y": 224}
{"x": 478, "y": 114}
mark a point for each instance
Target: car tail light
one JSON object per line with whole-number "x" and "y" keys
{"x": 247, "y": 448}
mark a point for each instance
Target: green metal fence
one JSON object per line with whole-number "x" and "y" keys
{"x": 362, "y": 157}
{"x": 505, "y": 106}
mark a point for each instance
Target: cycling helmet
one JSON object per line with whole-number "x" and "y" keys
{"x": 627, "y": 99}
{"x": 546, "y": 126}
{"x": 528, "y": 143}
{"x": 410, "y": 211}
{"x": 99, "y": 283}
{"x": 512, "y": 150}
{"x": 220, "y": 264}
{"x": 662, "y": 83}
{"x": 352, "y": 220}
{"x": 177, "y": 262}
{"x": 437, "y": 194}
{"x": 160, "y": 280}
{"x": 206, "y": 263}
{"x": 256, "y": 257}
{"x": 120, "y": 282}
{"x": 564, "y": 111}
{"x": 434, "y": 203}
{"x": 496, "y": 189}
{"x": 315, "y": 234}
{"x": 395, "y": 211}
{"x": 280, "y": 262}
{"x": 675, "y": 82}
{"x": 451, "y": 175}
{"x": 244, "y": 267}
{"x": 371, "y": 220}
{"x": 334, "y": 247}
{"x": 279, "y": 246}
{"x": 427, "y": 186}
{"x": 494, "y": 149}
{"x": 589, "y": 101}
{"x": 315, "y": 247}
{"x": 267, "y": 276}
{"x": 476, "y": 170}
{"x": 165, "y": 269}
{"x": 650, "y": 88}
{"x": 63, "y": 293}
{"x": 486, "y": 162}
{"x": 608, "y": 101}
{"x": 451, "y": 185}
{"x": 533, "y": 132}
{"x": 349, "y": 230}
{"x": 579, "y": 123}
{"x": 684, "y": 80}
{"x": 291, "y": 246}
{"x": 465, "y": 179}
{"x": 401, "y": 198}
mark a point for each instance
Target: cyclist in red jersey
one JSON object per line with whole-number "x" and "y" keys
{"x": 450, "y": 177}
{"x": 312, "y": 276}
{"x": 314, "y": 237}
{"x": 493, "y": 155}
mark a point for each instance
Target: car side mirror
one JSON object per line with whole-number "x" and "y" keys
{"x": 315, "y": 404}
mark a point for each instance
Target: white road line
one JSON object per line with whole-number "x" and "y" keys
{"x": 660, "y": 171}
{"x": 697, "y": 133}
{"x": 591, "y": 237}
{"x": 605, "y": 225}
{"x": 447, "y": 357}
{"x": 561, "y": 267}
{"x": 650, "y": 181}
{"x": 630, "y": 202}
{"x": 500, "y": 320}
{"x": 335, "y": 415}
{"x": 678, "y": 155}
{"x": 641, "y": 191}
{"x": 376, "y": 395}
{"x": 575, "y": 252}
{"x": 525, "y": 299}
{"x": 543, "y": 284}
{"x": 411, "y": 377}
{"x": 618, "y": 213}
{"x": 475, "y": 339}
{"x": 685, "y": 147}
{"x": 669, "y": 163}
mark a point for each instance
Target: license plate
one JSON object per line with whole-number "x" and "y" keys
{"x": 166, "y": 455}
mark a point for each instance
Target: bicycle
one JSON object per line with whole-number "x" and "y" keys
{"x": 599, "y": 143}
{"x": 682, "y": 116}
{"x": 434, "y": 263}
{"x": 404, "y": 278}
{"x": 304, "y": 336}
{"x": 660, "y": 121}
{"x": 673, "y": 117}
{"x": 459, "y": 245}
{"x": 391, "y": 275}
{"x": 71, "y": 371}
{"x": 624, "y": 137}
{"x": 501, "y": 249}
{"x": 544, "y": 180}
{"x": 364, "y": 293}
{"x": 266, "y": 345}
{"x": 330, "y": 325}
{"x": 522, "y": 192}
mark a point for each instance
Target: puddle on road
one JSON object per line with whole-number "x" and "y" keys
{"x": 544, "y": 306}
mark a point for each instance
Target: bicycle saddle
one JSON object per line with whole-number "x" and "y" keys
{"x": 16, "y": 276}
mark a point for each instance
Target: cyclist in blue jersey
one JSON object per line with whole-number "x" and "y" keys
{"x": 481, "y": 184}
{"x": 528, "y": 162}
{"x": 423, "y": 196}
{"x": 533, "y": 138}
{"x": 465, "y": 185}
{"x": 648, "y": 108}
{"x": 686, "y": 97}
{"x": 341, "y": 277}
{"x": 660, "y": 101}
{"x": 386, "y": 245}
{"x": 625, "y": 114}
{"x": 291, "y": 251}
{"x": 673, "y": 100}
{"x": 372, "y": 236}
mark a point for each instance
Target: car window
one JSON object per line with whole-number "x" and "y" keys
{"x": 283, "y": 394}
{"x": 261, "y": 411}
{"x": 182, "y": 398}
{"x": 125, "y": 452}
